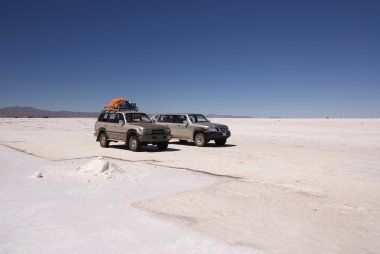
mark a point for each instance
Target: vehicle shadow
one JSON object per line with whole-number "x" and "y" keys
{"x": 148, "y": 148}
{"x": 210, "y": 144}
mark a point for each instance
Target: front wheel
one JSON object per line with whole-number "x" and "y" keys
{"x": 200, "y": 139}
{"x": 104, "y": 142}
{"x": 134, "y": 144}
{"x": 162, "y": 146}
{"x": 220, "y": 142}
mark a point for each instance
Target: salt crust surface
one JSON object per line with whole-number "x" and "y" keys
{"x": 310, "y": 182}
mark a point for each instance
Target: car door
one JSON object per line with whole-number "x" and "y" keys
{"x": 120, "y": 133}
{"x": 176, "y": 126}
{"x": 169, "y": 121}
{"x": 191, "y": 126}
{"x": 189, "y": 131}
{"x": 182, "y": 126}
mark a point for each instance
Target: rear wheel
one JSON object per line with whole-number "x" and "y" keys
{"x": 200, "y": 139}
{"x": 220, "y": 142}
{"x": 162, "y": 146}
{"x": 134, "y": 143}
{"x": 104, "y": 142}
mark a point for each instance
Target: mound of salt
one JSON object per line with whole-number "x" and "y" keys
{"x": 95, "y": 166}
{"x": 37, "y": 174}
{"x": 100, "y": 166}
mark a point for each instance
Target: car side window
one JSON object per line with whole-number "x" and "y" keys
{"x": 112, "y": 118}
{"x": 128, "y": 117}
{"x": 165, "y": 118}
{"x": 192, "y": 119}
{"x": 105, "y": 117}
{"x": 177, "y": 119}
{"x": 119, "y": 118}
{"x": 181, "y": 119}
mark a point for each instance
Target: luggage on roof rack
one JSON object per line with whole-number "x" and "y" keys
{"x": 121, "y": 104}
{"x": 117, "y": 103}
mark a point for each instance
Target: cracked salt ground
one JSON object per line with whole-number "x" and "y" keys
{"x": 77, "y": 208}
{"x": 306, "y": 186}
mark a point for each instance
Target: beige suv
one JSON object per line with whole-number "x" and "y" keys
{"x": 134, "y": 128}
{"x": 192, "y": 126}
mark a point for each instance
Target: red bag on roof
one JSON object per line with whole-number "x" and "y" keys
{"x": 117, "y": 103}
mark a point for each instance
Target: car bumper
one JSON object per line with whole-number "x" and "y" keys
{"x": 211, "y": 135}
{"x": 154, "y": 138}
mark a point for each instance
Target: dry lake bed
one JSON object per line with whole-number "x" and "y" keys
{"x": 277, "y": 186}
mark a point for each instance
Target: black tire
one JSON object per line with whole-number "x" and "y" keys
{"x": 182, "y": 141}
{"x": 200, "y": 139}
{"x": 221, "y": 141}
{"x": 162, "y": 146}
{"x": 134, "y": 144}
{"x": 103, "y": 141}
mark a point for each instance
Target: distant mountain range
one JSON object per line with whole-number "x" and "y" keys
{"x": 34, "y": 112}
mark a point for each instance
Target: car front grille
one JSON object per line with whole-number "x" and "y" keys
{"x": 158, "y": 132}
{"x": 222, "y": 129}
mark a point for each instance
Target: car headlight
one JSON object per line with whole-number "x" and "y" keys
{"x": 167, "y": 131}
{"x": 211, "y": 128}
{"x": 147, "y": 131}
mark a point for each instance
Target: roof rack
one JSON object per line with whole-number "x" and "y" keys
{"x": 128, "y": 107}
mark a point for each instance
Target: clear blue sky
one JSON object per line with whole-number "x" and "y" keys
{"x": 259, "y": 58}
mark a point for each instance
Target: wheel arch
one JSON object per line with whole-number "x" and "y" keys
{"x": 130, "y": 133}
{"x": 101, "y": 130}
{"x": 196, "y": 131}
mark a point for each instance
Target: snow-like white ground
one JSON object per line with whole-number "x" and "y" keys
{"x": 73, "y": 206}
{"x": 278, "y": 186}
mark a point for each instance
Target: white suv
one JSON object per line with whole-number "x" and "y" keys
{"x": 193, "y": 126}
{"x": 134, "y": 128}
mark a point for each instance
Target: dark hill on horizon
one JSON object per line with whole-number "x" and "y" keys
{"x": 18, "y": 111}
{"x": 34, "y": 112}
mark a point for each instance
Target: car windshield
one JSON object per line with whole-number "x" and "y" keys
{"x": 198, "y": 118}
{"x": 137, "y": 117}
